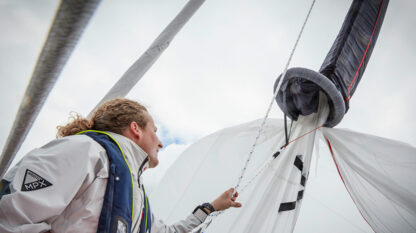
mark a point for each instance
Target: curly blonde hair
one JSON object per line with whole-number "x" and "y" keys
{"x": 114, "y": 115}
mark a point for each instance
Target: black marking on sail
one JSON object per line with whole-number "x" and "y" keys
{"x": 303, "y": 180}
{"x": 33, "y": 181}
{"x": 276, "y": 154}
{"x": 300, "y": 195}
{"x": 286, "y": 206}
{"x": 298, "y": 163}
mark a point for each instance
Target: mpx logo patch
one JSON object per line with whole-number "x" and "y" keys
{"x": 33, "y": 181}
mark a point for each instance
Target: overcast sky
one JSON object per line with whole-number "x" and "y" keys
{"x": 218, "y": 72}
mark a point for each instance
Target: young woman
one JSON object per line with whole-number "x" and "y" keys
{"x": 89, "y": 179}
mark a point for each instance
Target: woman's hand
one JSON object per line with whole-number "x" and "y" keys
{"x": 226, "y": 200}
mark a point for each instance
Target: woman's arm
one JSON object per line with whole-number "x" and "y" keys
{"x": 223, "y": 202}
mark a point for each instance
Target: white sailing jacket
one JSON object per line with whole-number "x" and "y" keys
{"x": 60, "y": 187}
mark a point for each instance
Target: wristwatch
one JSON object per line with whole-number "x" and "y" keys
{"x": 208, "y": 206}
{"x": 200, "y": 211}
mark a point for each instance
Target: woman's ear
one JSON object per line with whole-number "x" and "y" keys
{"x": 136, "y": 130}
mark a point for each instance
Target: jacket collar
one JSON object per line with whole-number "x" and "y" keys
{"x": 136, "y": 157}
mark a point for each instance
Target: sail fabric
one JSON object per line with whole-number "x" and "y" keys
{"x": 379, "y": 174}
{"x": 70, "y": 21}
{"x": 342, "y": 68}
{"x": 271, "y": 203}
{"x": 348, "y": 57}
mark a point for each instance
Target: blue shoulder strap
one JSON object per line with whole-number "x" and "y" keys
{"x": 116, "y": 214}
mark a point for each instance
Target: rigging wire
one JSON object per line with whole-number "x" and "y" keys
{"x": 272, "y": 100}
{"x": 211, "y": 216}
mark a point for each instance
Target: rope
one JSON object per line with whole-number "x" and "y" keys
{"x": 304, "y": 134}
{"x": 271, "y": 160}
{"x": 211, "y": 216}
{"x": 293, "y": 50}
{"x": 272, "y": 100}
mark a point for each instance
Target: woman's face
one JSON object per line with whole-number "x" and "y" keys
{"x": 150, "y": 143}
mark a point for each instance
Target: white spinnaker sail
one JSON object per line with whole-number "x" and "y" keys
{"x": 214, "y": 163}
{"x": 379, "y": 174}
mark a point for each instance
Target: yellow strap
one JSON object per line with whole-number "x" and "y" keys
{"x": 147, "y": 204}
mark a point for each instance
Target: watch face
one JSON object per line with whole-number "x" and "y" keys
{"x": 208, "y": 206}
